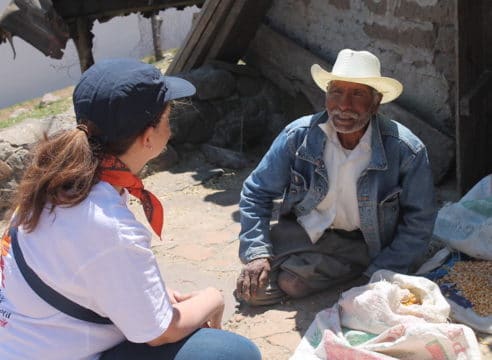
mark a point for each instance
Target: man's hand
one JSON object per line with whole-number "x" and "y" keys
{"x": 254, "y": 275}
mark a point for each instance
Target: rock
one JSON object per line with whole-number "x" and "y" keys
{"x": 193, "y": 123}
{"x": 211, "y": 83}
{"x": 206, "y": 174}
{"x": 237, "y": 69}
{"x": 18, "y": 161}
{"x": 163, "y": 162}
{"x": 5, "y": 171}
{"x": 7, "y": 191}
{"x": 30, "y": 130}
{"x": 277, "y": 122}
{"x": 242, "y": 123}
{"x": 6, "y": 150}
{"x": 47, "y": 99}
{"x": 64, "y": 121}
{"x": 18, "y": 112}
{"x": 248, "y": 86}
{"x": 224, "y": 157}
{"x": 26, "y": 132}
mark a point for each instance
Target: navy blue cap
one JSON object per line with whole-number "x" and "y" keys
{"x": 123, "y": 96}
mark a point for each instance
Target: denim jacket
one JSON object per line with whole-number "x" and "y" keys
{"x": 395, "y": 193}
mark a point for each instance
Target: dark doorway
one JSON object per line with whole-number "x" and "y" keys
{"x": 474, "y": 105}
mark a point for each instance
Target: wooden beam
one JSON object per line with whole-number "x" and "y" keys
{"x": 238, "y": 30}
{"x": 222, "y": 31}
{"x": 201, "y": 32}
{"x": 37, "y": 23}
{"x": 288, "y": 65}
{"x": 96, "y": 9}
{"x": 198, "y": 54}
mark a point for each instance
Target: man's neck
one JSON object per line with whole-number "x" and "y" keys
{"x": 350, "y": 140}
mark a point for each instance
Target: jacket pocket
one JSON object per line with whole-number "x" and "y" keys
{"x": 389, "y": 213}
{"x": 297, "y": 187}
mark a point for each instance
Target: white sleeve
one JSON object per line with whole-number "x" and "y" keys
{"x": 125, "y": 284}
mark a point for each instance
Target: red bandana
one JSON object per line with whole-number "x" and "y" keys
{"x": 113, "y": 171}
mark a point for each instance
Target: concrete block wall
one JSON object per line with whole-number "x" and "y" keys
{"x": 414, "y": 39}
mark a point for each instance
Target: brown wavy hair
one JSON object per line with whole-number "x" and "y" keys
{"x": 63, "y": 169}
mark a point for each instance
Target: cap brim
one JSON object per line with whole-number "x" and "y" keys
{"x": 388, "y": 87}
{"x": 178, "y": 88}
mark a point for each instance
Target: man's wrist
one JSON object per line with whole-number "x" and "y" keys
{"x": 259, "y": 256}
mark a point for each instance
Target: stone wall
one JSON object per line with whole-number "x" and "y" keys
{"x": 414, "y": 39}
{"x": 234, "y": 107}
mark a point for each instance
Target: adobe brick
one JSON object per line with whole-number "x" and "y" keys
{"x": 377, "y": 7}
{"x": 442, "y": 12}
{"x": 340, "y": 4}
{"x": 415, "y": 37}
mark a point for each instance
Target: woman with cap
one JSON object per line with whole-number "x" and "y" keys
{"x": 78, "y": 277}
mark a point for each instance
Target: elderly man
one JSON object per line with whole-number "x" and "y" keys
{"x": 357, "y": 192}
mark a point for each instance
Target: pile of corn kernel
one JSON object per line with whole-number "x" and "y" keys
{"x": 410, "y": 299}
{"x": 474, "y": 280}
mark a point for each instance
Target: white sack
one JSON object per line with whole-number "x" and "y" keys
{"x": 382, "y": 297}
{"x": 415, "y": 338}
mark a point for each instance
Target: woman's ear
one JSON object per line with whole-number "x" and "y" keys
{"x": 146, "y": 138}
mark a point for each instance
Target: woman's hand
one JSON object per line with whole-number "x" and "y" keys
{"x": 173, "y": 295}
{"x": 215, "y": 321}
{"x": 177, "y": 297}
{"x": 191, "y": 311}
{"x": 215, "y": 318}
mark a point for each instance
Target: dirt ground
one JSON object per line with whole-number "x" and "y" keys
{"x": 199, "y": 248}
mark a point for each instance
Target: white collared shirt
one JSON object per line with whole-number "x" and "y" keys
{"x": 339, "y": 209}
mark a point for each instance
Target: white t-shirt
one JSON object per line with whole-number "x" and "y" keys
{"x": 97, "y": 255}
{"x": 339, "y": 209}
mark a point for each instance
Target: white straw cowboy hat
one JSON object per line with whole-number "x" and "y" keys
{"x": 360, "y": 67}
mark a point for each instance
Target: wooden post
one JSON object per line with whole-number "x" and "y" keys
{"x": 82, "y": 37}
{"x": 156, "y": 22}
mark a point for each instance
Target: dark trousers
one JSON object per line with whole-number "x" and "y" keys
{"x": 337, "y": 257}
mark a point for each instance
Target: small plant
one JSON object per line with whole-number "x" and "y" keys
{"x": 38, "y": 112}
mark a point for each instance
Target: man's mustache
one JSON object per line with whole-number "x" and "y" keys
{"x": 345, "y": 114}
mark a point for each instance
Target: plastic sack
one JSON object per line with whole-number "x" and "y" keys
{"x": 329, "y": 338}
{"x": 466, "y": 226}
{"x": 326, "y": 339}
{"x": 393, "y": 299}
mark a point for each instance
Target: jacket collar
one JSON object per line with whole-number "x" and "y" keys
{"x": 313, "y": 144}
{"x": 378, "y": 159}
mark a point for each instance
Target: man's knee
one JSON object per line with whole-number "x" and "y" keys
{"x": 293, "y": 285}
